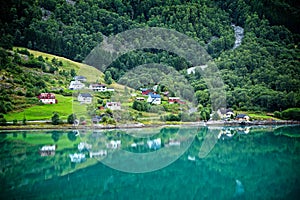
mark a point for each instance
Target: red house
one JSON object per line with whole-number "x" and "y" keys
{"x": 175, "y": 100}
{"x": 145, "y": 91}
{"x": 47, "y": 98}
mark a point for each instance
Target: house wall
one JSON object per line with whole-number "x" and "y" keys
{"x": 48, "y": 101}
{"x": 86, "y": 100}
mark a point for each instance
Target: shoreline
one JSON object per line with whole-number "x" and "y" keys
{"x": 140, "y": 125}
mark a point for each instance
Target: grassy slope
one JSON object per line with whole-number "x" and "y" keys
{"x": 90, "y": 72}
{"x": 65, "y": 105}
{"x": 44, "y": 112}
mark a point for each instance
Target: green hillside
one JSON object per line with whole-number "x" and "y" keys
{"x": 262, "y": 74}
{"x": 27, "y": 73}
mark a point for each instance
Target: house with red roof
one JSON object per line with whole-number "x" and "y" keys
{"x": 47, "y": 98}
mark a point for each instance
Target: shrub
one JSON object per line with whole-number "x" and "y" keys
{"x": 15, "y": 122}
{"x": 291, "y": 113}
{"x": 55, "y": 119}
{"x": 71, "y": 118}
{"x": 2, "y": 120}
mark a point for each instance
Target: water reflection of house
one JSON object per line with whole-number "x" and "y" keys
{"x": 100, "y": 153}
{"x": 84, "y": 146}
{"x": 191, "y": 158}
{"x": 77, "y": 157}
{"x": 243, "y": 130}
{"x": 226, "y": 134}
{"x": 48, "y": 150}
{"x": 173, "y": 142}
{"x": 114, "y": 144}
{"x": 154, "y": 144}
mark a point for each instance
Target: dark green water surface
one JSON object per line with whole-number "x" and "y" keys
{"x": 189, "y": 163}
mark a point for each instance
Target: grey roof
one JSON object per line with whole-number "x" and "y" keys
{"x": 241, "y": 115}
{"x": 85, "y": 95}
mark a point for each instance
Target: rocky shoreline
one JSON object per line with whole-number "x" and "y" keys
{"x": 140, "y": 125}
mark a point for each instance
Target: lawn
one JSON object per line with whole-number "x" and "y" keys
{"x": 64, "y": 107}
{"x": 259, "y": 116}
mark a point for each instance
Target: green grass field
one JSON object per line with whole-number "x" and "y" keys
{"x": 44, "y": 112}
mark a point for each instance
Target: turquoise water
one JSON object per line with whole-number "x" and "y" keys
{"x": 189, "y": 163}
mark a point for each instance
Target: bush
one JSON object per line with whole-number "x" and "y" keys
{"x": 291, "y": 113}
{"x": 277, "y": 114}
{"x": 55, "y": 119}
{"x": 15, "y": 122}
{"x": 2, "y": 120}
{"x": 172, "y": 118}
{"x": 71, "y": 118}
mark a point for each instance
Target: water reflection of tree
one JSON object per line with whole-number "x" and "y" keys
{"x": 72, "y": 136}
{"x": 55, "y": 136}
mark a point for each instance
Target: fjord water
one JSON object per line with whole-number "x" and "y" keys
{"x": 219, "y": 163}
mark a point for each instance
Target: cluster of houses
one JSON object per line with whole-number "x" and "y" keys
{"x": 229, "y": 114}
{"x": 83, "y": 146}
{"x": 155, "y": 98}
{"x": 78, "y": 84}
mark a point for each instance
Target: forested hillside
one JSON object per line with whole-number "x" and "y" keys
{"x": 261, "y": 74}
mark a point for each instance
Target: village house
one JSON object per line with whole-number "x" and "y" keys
{"x": 47, "y": 98}
{"x": 80, "y": 78}
{"x": 154, "y": 99}
{"x": 97, "y": 87}
{"x": 242, "y": 117}
{"x": 173, "y": 100}
{"x": 145, "y": 91}
{"x": 76, "y": 85}
{"x": 225, "y": 113}
{"x": 85, "y": 98}
{"x": 113, "y": 105}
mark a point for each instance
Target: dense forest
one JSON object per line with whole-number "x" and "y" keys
{"x": 263, "y": 73}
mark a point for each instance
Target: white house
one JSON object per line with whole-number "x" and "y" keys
{"x": 113, "y": 105}
{"x": 47, "y": 98}
{"x": 225, "y": 113}
{"x": 154, "y": 98}
{"x": 96, "y": 87}
{"x": 76, "y": 85}
{"x": 85, "y": 98}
